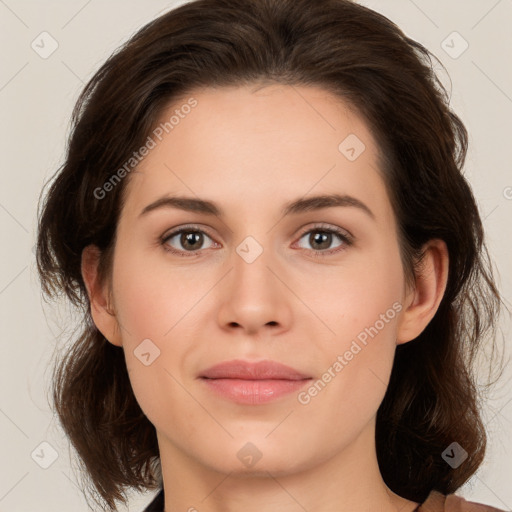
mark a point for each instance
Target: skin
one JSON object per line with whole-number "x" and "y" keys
{"x": 251, "y": 150}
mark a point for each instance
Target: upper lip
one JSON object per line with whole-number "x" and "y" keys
{"x": 261, "y": 370}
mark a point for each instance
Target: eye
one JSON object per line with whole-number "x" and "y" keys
{"x": 190, "y": 239}
{"x": 321, "y": 238}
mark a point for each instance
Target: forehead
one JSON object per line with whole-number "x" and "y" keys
{"x": 242, "y": 144}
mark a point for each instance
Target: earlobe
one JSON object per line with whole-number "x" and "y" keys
{"x": 101, "y": 310}
{"x": 430, "y": 285}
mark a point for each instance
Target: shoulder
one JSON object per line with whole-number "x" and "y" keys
{"x": 437, "y": 502}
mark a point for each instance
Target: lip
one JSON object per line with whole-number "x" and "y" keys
{"x": 253, "y": 383}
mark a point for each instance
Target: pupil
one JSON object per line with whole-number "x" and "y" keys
{"x": 322, "y": 237}
{"x": 189, "y": 238}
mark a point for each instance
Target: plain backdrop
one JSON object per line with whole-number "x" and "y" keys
{"x": 37, "y": 93}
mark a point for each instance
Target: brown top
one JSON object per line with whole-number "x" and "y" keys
{"x": 437, "y": 502}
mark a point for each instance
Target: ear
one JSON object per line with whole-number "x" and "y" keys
{"x": 99, "y": 297}
{"x": 430, "y": 284}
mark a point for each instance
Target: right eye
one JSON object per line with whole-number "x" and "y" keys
{"x": 189, "y": 238}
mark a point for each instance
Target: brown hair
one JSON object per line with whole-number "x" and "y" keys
{"x": 366, "y": 60}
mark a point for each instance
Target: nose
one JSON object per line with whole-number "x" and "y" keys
{"x": 254, "y": 296}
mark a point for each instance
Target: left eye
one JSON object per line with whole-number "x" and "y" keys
{"x": 192, "y": 240}
{"x": 323, "y": 237}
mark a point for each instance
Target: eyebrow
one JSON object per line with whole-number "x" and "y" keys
{"x": 301, "y": 205}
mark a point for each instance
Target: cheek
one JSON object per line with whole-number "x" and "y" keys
{"x": 151, "y": 300}
{"x": 356, "y": 367}
{"x": 365, "y": 296}
{"x": 362, "y": 307}
{"x": 157, "y": 311}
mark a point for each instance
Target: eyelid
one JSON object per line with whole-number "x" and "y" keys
{"x": 178, "y": 230}
{"x": 327, "y": 227}
{"x": 190, "y": 227}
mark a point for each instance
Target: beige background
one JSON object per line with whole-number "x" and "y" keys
{"x": 36, "y": 98}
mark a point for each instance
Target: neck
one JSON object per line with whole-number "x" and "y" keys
{"x": 349, "y": 481}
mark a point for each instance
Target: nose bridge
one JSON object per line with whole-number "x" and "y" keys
{"x": 254, "y": 237}
{"x": 254, "y": 296}
{"x": 251, "y": 260}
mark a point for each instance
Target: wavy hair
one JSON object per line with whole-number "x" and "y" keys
{"x": 363, "y": 58}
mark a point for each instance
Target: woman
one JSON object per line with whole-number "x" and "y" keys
{"x": 281, "y": 267}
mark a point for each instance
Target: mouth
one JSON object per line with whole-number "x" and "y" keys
{"x": 253, "y": 383}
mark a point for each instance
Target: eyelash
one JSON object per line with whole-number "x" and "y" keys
{"x": 343, "y": 236}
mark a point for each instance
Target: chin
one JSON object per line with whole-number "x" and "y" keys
{"x": 255, "y": 456}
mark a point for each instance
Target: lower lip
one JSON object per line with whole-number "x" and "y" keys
{"x": 254, "y": 391}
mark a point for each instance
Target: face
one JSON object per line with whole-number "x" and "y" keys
{"x": 318, "y": 287}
